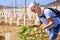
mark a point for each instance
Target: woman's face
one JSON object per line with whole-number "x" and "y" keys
{"x": 36, "y": 10}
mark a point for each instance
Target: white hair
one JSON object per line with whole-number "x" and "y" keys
{"x": 34, "y": 4}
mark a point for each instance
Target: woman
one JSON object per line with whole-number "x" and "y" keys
{"x": 52, "y": 22}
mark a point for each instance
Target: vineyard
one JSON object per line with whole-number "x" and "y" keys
{"x": 12, "y": 28}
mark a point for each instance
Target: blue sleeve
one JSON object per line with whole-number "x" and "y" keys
{"x": 47, "y": 13}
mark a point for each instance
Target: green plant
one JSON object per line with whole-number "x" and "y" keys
{"x": 29, "y": 33}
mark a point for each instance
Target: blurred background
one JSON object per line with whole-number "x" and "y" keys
{"x": 14, "y": 13}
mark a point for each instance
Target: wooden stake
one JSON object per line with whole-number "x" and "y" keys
{"x": 7, "y": 36}
{"x": 11, "y": 19}
{"x": 17, "y": 21}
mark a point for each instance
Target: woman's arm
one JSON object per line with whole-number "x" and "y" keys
{"x": 51, "y": 22}
{"x": 37, "y": 24}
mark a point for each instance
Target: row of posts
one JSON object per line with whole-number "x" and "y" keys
{"x": 9, "y": 15}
